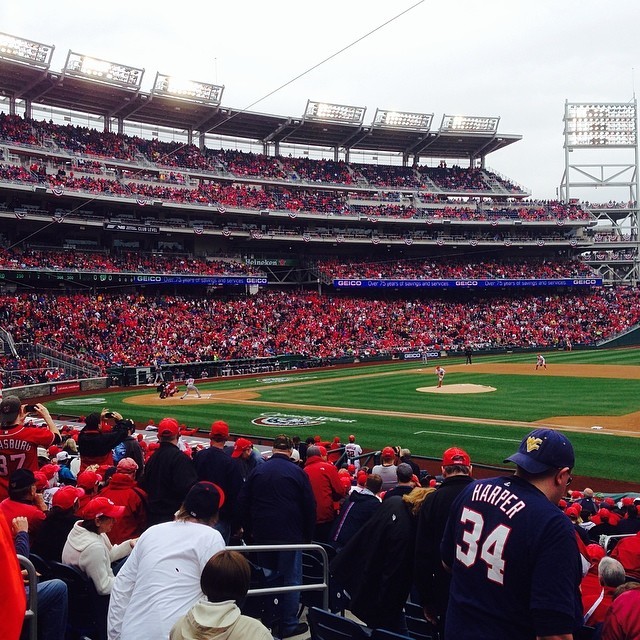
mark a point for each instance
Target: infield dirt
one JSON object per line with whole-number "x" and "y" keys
{"x": 628, "y": 425}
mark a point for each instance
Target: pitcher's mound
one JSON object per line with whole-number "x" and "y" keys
{"x": 457, "y": 388}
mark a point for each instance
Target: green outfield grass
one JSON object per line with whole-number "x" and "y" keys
{"x": 372, "y": 396}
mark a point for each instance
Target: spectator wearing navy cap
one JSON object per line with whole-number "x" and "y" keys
{"x": 161, "y": 579}
{"x": 24, "y": 500}
{"x": 169, "y": 474}
{"x": 516, "y": 568}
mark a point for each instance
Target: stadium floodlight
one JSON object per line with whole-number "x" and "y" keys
{"x": 25, "y": 51}
{"x": 79, "y": 65}
{"x": 469, "y": 124}
{"x": 187, "y": 89}
{"x": 386, "y": 118}
{"x": 600, "y": 125}
{"x": 325, "y": 112}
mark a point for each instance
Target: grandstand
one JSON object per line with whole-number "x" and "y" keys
{"x": 162, "y": 224}
{"x": 162, "y": 232}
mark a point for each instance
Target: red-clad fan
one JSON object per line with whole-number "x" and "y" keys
{"x": 19, "y": 443}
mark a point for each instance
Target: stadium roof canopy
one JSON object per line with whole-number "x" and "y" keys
{"x": 37, "y": 84}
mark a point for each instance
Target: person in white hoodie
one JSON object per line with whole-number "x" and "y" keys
{"x": 161, "y": 579}
{"x": 225, "y": 579}
{"x": 88, "y": 546}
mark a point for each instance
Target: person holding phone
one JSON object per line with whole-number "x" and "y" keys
{"x": 19, "y": 443}
{"x": 102, "y": 432}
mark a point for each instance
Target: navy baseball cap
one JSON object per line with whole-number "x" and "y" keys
{"x": 543, "y": 449}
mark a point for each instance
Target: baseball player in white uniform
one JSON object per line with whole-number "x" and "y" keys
{"x": 191, "y": 386}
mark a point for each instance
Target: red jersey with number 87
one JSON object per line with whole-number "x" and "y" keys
{"x": 19, "y": 450}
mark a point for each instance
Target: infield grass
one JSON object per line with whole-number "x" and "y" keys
{"x": 368, "y": 400}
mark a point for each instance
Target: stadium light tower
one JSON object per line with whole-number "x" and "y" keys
{"x": 390, "y": 119}
{"x": 611, "y": 130}
{"x": 604, "y": 127}
{"x": 469, "y": 124}
{"x": 202, "y": 92}
{"x": 81, "y": 66}
{"x": 340, "y": 113}
{"x": 25, "y": 51}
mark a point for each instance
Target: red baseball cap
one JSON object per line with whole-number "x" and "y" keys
{"x": 42, "y": 482}
{"x": 127, "y": 465}
{"x": 241, "y": 445}
{"x": 168, "y": 427}
{"x": 88, "y": 479}
{"x": 50, "y": 470}
{"x": 388, "y": 452}
{"x": 66, "y": 497}
{"x": 101, "y": 506}
{"x": 219, "y": 428}
{"x": 455, "y": 455}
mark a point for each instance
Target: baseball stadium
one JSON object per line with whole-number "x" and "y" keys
{"x": 185, "y": 259}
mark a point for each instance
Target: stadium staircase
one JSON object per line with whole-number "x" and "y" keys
{"x": 72, "y": 367}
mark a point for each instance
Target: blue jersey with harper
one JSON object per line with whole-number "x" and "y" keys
{"x": 512, "y": 552}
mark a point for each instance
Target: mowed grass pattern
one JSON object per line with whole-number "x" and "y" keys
{"x": 374, "y": 400}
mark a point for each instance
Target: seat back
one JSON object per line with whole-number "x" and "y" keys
{"x": 41, "y": 565}
{"x": 313, "y": 573}
{"x": 87, "y": 609}
{"x": 418, "y": 626}
{"x": 325, "y": 625}
{"x": 262, "y": 607}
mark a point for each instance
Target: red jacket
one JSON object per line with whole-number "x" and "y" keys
{"x": 591, "y": 589}
{"x": 627, "y": 551}
{"x": 326, "y": 485}
{"x": 123, "y": 490}
{"x": 12, "y": 509}
{"x": 12, "y": 600}
{"x": 623, "y": 618}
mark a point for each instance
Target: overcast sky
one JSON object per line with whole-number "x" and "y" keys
{"x": 516, "y": 60}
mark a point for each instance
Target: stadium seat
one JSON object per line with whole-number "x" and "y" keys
{"x": 262, "y": 607}
{"x": 419, "y": 628}
{"x": 87, "y": 609}
{"x": 312, "y": 573}
{"x": 41, "y": 565}
{"x": 325, "y": 625}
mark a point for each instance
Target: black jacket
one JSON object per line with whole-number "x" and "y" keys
{"x": 432, "y": 580}
{"x": 168, "y": 476}
{"x": 356, "y": 511}
{"x": 93, "y": 444}
{"x": 376, "y": 565}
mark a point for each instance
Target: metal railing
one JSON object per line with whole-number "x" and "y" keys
{"x": 319, "y": 586}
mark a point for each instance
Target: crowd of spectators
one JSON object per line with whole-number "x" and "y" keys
{"x": 131, "y": 329}
{"x": 109, "y": 146}
{"x": 94, "y": 497}
{"x": 454, "y": 268}
{"x": 121, "y": 262}
{"x": 19, "y": 371}
{"x": 172, "y": 187}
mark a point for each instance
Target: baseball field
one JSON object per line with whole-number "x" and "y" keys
{"x": 485, "y": 407}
